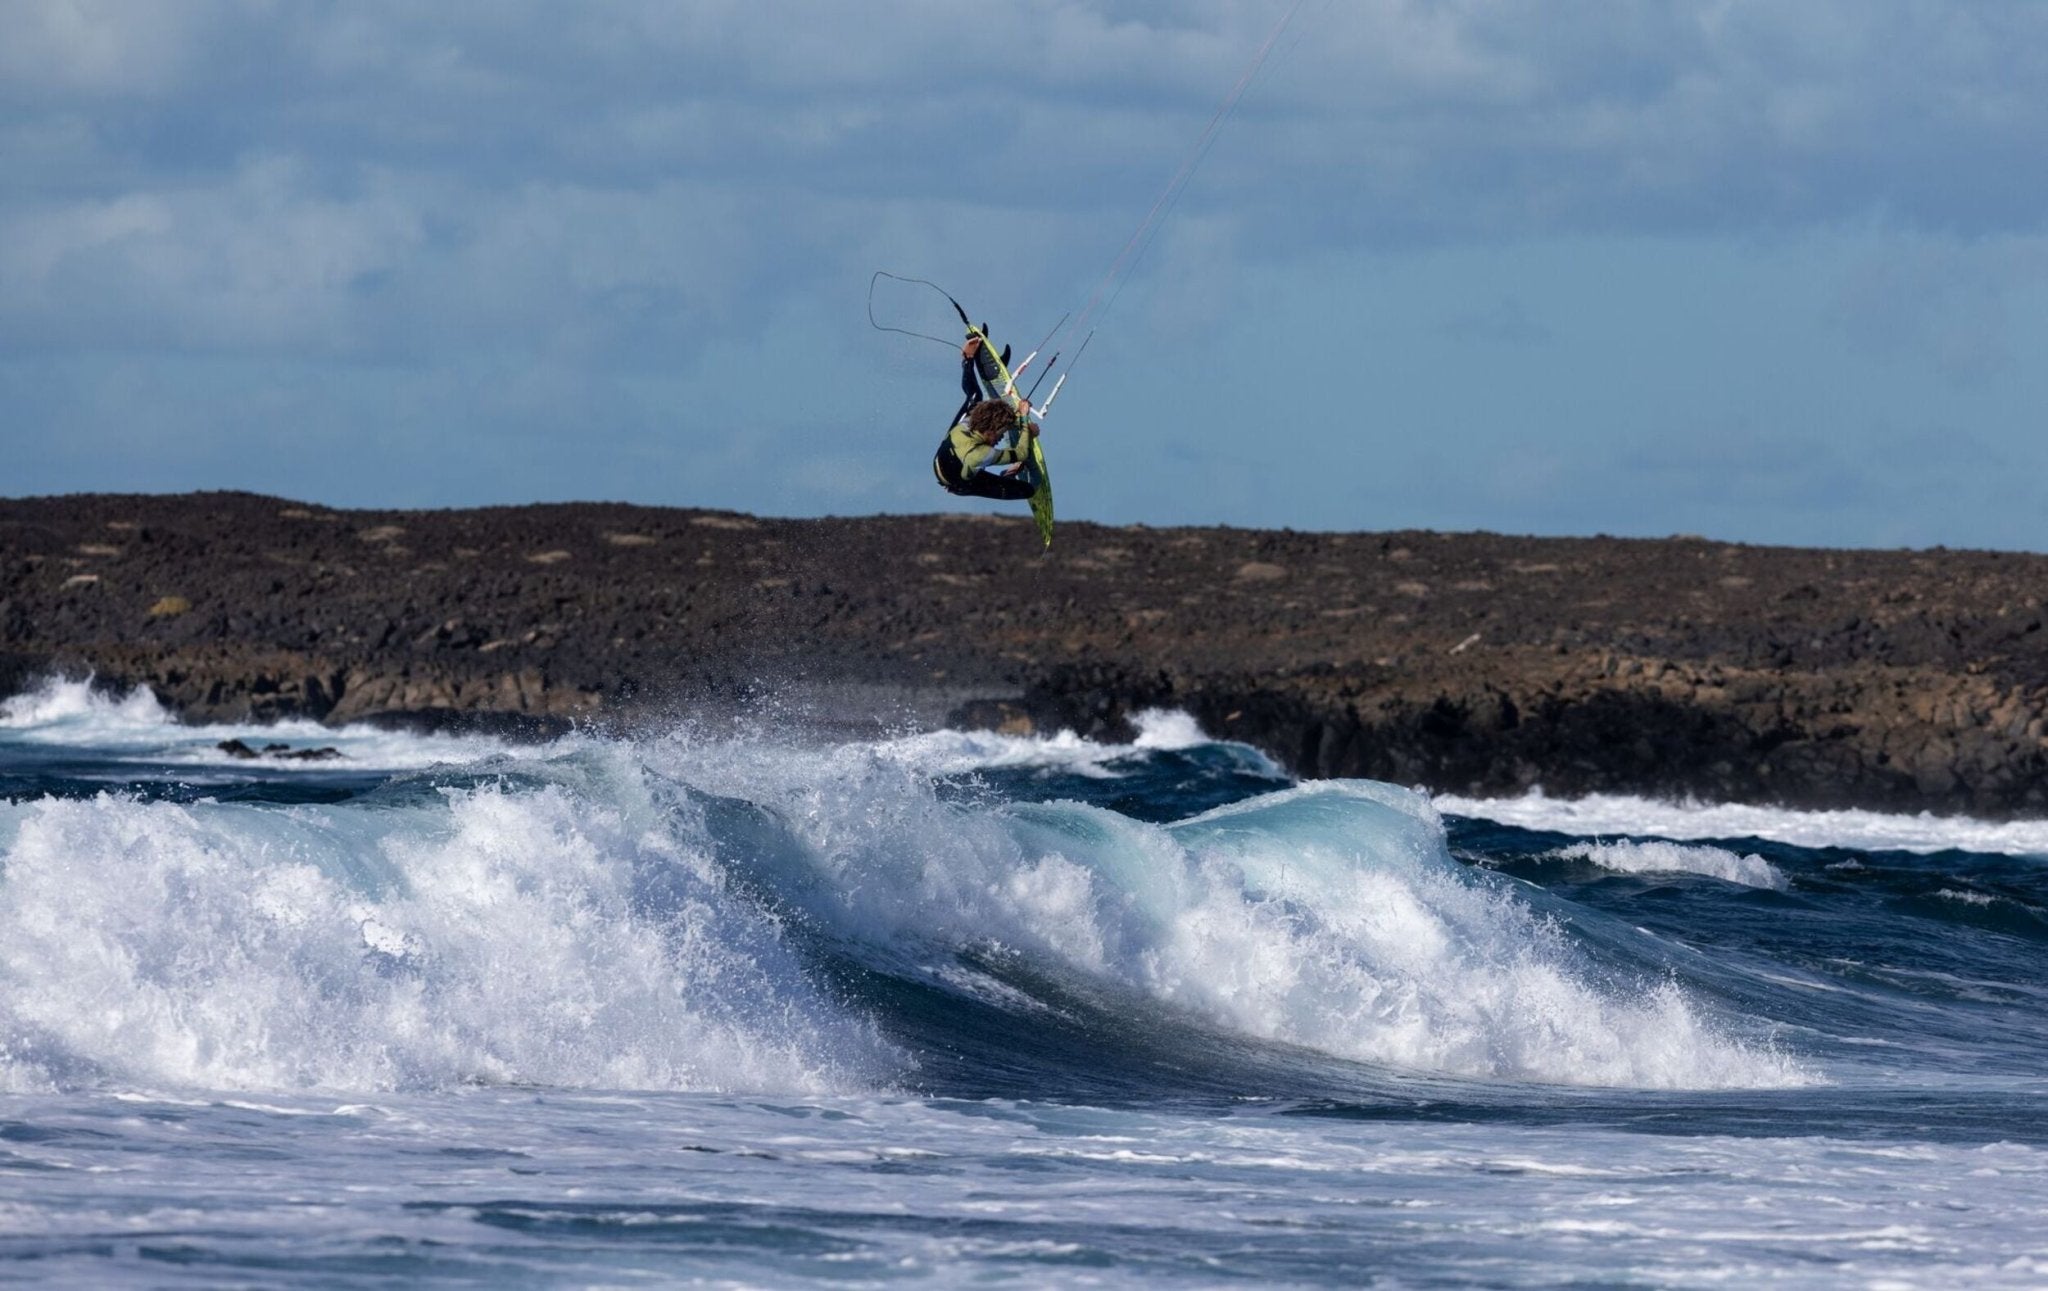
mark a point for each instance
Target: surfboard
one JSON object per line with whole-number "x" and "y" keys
{"x": 1041, "y": 500}
{"x": 1041, "y": 497}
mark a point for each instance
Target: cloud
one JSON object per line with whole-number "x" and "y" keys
{"x": 257, "y": 262}
{"x": 807, "y": 137}
{"x": 108, "y": 49}
{"x": 1472, "y": 120}
{"x": 483, "y": 218}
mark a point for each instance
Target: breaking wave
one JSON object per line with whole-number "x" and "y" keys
{"x": 678, "y": 913}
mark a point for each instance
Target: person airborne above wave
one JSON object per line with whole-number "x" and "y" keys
{"x": 991, "y": 411}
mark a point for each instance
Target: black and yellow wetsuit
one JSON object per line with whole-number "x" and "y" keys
{"x": 962, "y": 456}
{"x": 960, "y": 461}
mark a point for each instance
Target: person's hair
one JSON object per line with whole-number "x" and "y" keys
{"x": 991, "y": 416}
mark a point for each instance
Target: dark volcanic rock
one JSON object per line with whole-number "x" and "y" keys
{"x": 1467, "y": 662}
{"x": 284, "y": 752}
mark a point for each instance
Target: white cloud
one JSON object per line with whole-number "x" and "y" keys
{"x": 257, "y": 261}
{"x": 107, "y": 48}
{"x": 623, "y": 190}
{"x": 1484, "y": 120}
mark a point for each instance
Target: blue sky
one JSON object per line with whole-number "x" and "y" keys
{"x": 1761, "y": 270}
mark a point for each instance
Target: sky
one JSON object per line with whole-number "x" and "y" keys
{"x": 1768, "y": 271}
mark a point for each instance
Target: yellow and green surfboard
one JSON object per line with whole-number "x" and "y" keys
{"x": 1041, "y": 499}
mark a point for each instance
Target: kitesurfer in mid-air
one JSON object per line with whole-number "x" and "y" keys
{"x": 991, "y": 411}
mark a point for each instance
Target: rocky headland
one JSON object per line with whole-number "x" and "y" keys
{"x": 1473, "y": 663}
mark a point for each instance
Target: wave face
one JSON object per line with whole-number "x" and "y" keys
{"x": 1329, "y": 917}
{"x": 477, "y": 933}
{"x": 954, "y": 913}
{"x": 748, "y": 1007}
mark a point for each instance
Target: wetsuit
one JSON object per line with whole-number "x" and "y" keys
{"x": 958, "y": 463}
{"x": 962, "y": 456}
{"x": 979, "y": 377}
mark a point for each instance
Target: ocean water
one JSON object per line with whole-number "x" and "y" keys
{"x": 742, "y": 1006}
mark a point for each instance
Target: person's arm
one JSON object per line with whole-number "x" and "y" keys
{"x": 980, "y": 358}
{"x": 1021, "y": 455}
{"x": 968, "y": 369}
{"x": 993, "y": 457}
{"x": 973, "y": 454}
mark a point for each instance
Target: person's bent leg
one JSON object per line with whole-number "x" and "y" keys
{"x": 999, "y": 488}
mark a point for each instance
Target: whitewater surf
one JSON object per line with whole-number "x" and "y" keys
{"x": 747, "y": 1005}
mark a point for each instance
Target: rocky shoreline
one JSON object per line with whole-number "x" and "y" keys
{"x": 1472, "y": 663}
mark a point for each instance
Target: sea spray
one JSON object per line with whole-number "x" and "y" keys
{"x": 73, "y": 708}
{"x": 1658, "y": 857}
{"x": 1329, "y": 917}
{"x": 1088, "y": 976}
{"x": 1611, "y": 815}
{"x": 1333, "y": 917}
{"x": 74, "y": 716}
{"x": 485, "y": 935}
{"x": 682, "y": 912}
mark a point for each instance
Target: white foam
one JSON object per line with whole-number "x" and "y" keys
{"x": 1329, "y": 916}
{"x": 1001, "y": 1192}
{"x": 946, "y": 753}
{"x": 1864, "y": 830}
{"x": 1750, "y": 870}
{"x": 134, "y": 725}
{"x": 1164, "y": 728}
{"x": 1967, "y": 898}
{"x": 1363, "y": 938}
{"x": 82, "y": 712}
{"x": 506, "y": 934}
{"x": 952, "y": 752}
{"x": 490, "y": 936}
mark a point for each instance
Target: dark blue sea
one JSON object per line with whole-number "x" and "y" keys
{"x": 747, "y": 1006}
